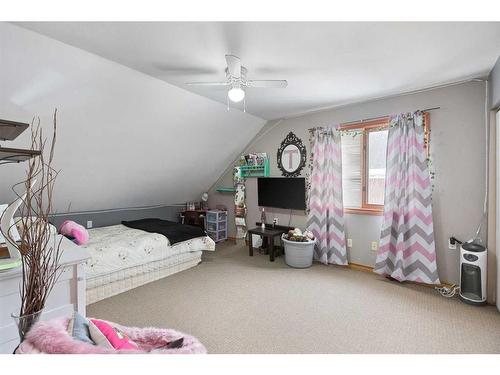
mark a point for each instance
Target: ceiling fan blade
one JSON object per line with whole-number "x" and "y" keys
{"x": 234, "y": 66}
{"x": 268, "y": 83}
{"x": 207, "y": 83}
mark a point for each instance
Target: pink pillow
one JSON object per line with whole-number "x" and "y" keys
{"x": 75, "y": 230}
{"x": 115, "y": 337}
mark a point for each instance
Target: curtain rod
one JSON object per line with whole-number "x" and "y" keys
{"x": 374, "y": 118}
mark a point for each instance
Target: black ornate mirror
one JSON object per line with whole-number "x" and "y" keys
{"x": 291, "y": 156}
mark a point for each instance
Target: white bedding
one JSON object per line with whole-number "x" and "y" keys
{"x": 118, "y": 247}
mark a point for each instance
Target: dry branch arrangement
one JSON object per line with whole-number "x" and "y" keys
{"x": 39, "y": 246}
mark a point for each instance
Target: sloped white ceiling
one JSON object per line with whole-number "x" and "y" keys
{"x": 325, "y": 63}
{"x": 125, "y": 138}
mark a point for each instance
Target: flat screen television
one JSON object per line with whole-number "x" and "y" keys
{"x": 281, "y": 192}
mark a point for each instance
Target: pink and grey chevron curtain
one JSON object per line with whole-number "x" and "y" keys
{"x": 326, "y": 211}
{"x": 407, "y": 250}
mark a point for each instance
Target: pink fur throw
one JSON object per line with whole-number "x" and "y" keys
{"x": 51, "y": 337}
{"x": 75, "y": 230}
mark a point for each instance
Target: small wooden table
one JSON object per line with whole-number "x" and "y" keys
{"x": 194, "y": 217}
{"x": 269, "y": 234}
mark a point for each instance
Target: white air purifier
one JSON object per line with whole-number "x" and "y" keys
{"x": 473, "y": 263}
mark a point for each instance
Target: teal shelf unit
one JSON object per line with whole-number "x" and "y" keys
{"x": 226, "y": 190}
{"x": 249, "y": 171}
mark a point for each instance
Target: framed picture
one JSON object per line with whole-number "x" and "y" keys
{"x": 291, "y": 156}
{"x": 13, "y": 230}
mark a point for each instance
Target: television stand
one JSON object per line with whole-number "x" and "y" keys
{"x": 284, "y": 228}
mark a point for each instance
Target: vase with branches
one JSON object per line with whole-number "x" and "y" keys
{"x": 39, "y": 245}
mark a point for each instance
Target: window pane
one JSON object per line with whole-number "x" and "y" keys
{"x": 377, "y": 147}
{"x": 351, "y": 170}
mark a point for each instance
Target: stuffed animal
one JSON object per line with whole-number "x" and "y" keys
{"x": 309, "y": 234}
{"x": 78, "y": 233}
{"x": 297, "y": 235}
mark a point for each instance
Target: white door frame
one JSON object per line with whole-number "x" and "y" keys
{"x": 497, "y": 224}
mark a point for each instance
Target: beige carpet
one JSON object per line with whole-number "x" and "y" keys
{"x": 237, "y": 304}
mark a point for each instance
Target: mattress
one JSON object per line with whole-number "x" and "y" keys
{"x": 108, "y": 285}
{"x": 117, "y": 247}
{"x": 123, "y": 258}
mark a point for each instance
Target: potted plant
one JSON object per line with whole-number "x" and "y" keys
{"x": 39, "y": 246}
{"x": 299, "y": 248}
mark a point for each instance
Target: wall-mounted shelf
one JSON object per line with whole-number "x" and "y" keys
{"x": 249, "y": 171}
{"x": 10, "y": 130}
{"x": 226, "y": 190}
{"x": 16, "y": 155}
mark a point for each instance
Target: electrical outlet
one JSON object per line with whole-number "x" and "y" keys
{"x": 276, "y": 221}
{"x": 452, "y": 244}
{"x": 349, "y": 242}
{"x": 374, "y": 245}
{"x": 89, "y": 224}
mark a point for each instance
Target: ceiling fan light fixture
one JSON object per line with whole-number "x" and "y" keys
{"x": 236, "y": 94}
{"x": 237, "y": 82}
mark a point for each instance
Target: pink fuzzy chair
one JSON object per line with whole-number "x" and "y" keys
{"x": 51, "y": 337}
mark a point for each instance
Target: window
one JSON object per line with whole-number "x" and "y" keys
{"x": 363, "y": 165}
{"x": 351, "y": 171}
{"x": 376, "y": 159}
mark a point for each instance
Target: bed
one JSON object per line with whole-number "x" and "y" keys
{"x": 123, "y": 258}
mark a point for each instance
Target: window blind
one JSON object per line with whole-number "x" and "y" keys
{"x": 351, "y": 171}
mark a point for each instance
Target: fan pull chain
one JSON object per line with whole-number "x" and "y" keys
{"x": 244, "y": 104}
{"x": 227, "y": 101}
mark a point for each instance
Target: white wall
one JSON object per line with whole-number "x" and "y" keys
{"x": 457, "y": 151}
{"x": 125, "y": 138}
{"x": 494, "y": 188}
{"x": 494, "y": 81}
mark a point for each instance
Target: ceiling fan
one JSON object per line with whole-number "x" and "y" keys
{"x": 237, "y": 81}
